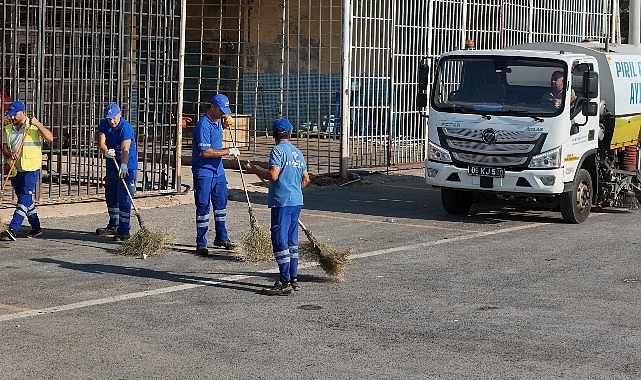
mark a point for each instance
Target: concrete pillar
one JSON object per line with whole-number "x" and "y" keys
{"x": 634, "y": 32}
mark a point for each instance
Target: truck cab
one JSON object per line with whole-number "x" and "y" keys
{"x": 519, "y": 124}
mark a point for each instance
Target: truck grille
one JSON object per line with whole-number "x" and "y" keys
{"x": 480, "y": 159}
{"x": 491, "y": 147}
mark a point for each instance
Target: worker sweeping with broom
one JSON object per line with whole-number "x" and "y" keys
{"x": 117, "y": 142}
{"x": 287, "y": 176}
{"x": 23, "y": 147}
{"x": 210, "y": 182}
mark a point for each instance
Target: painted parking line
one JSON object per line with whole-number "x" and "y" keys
{"x": 13, "y": 308}
{"x": 396, "y": 222}
{"x": 336, "y": 217}
{"x": 445, "y": 241}
{"x": 223, "y": 280}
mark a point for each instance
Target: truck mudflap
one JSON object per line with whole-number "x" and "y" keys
{"x": 535, "y": 182}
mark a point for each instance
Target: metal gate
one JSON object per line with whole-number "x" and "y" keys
{"x": 344, "y": 72}
{"x": 389, "y": 39}
{"x": 67, "y": 59}
{"x": 271, "y": 58}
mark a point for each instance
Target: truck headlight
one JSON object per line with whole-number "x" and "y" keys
{"x": 436, "y": 153}
{"x": 547, "y": 160}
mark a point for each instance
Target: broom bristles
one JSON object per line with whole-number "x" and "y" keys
{"x": 333, "y": 261}
{"x": 256, "y": 245}
{"x": 144, "y": 242}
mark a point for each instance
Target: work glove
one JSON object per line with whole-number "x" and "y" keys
{"x": 234, "y": 152}
{"x": 124, "y": 171}
{"x": 228, "y": 120}
{"x": 110, "y": 153}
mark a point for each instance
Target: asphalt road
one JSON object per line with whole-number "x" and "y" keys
{"x": 500, "y": 293}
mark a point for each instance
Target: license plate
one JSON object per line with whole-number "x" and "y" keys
{"x": 486, "y": 171}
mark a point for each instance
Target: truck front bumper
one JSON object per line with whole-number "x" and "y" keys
{"x": 536, "y": 182}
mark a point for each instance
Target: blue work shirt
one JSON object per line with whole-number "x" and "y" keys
{"x": 208, "y": 134}
{"x": 114, "y": 138}
{"x": 286, "y": 191}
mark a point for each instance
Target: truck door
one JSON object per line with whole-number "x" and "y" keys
{"x": 583, "y": 129}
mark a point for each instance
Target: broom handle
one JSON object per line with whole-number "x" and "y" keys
{"x": 13, "y": 162}
{"x": 240, "y": 168}
{"x": 242, "y": 178}
{"x": 302, "y": 226}
{"x": 126, "y": 188}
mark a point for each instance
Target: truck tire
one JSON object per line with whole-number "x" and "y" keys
{"x": 576, "y": 204}
{"x": 456, "y": 201}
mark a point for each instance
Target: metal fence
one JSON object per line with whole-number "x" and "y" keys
{"x": 343, "y": 71}
{"x": 66, "y": 60}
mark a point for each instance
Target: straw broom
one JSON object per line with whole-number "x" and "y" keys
{"x": 333, "y": 261}
{"x": 256, "y": 243}
{"x": 145, "y": 242}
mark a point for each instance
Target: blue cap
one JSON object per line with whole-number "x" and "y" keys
{"x": 281, "y": 127}
{"x": 111, "y": 111}
{"x": 222, "y": 102}
{"x": 15, "y": 107}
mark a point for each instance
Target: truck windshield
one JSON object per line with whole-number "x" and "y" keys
{"x": 500, "y": 85}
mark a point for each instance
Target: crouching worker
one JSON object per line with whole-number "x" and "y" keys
{"x": 23, "y": 148}
{"x": 287, "y": 176}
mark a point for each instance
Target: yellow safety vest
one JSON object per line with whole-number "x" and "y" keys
{"x": 31, "y": 154}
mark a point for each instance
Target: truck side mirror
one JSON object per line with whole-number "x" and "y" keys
{"x": 590, "y": 85}
{"x": 423, "y": 78}
{"x": 590, "y": 109}
{"x": 421, "y": 100}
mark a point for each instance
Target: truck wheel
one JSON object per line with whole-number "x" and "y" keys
{"x": 576, "y": 204}
{"x": 456, "y": 201}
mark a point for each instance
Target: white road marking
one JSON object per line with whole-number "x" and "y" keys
{"x": 177, "y": 288}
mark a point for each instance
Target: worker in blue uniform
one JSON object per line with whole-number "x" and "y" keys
{"x": 116, "y": 140}
{"x": 210, "y": 182}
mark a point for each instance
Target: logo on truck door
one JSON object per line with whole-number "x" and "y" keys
{"x": 489, "y": 136}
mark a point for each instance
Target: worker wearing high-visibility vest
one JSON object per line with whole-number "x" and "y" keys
{"x": 23, "y": 148}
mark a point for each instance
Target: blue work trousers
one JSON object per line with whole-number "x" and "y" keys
{"x": 24, "y": 184}
{"x": 208, "y": 191}
{"x": 118, "y": 201}
{"x": 284, "y": 233}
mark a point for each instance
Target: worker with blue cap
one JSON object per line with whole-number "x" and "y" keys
{"x": 210, "y": 182}
{"x": 22, "y": 146}
{"x": 287, "y": 176}
{"x": 117, "y": 142}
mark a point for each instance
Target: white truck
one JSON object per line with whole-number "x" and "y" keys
{"x": 498, "y": 127}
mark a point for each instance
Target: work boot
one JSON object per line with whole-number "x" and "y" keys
{"x": 201, "y": 250}
{"x": 279, "y": 289}
{"x": 107, "y": 231}
{"x": 295, "y": 284}
{"x": 119, "y": 237}
{"x": 8, "y": 234}
{"x": 34, "y": 233}
{"x": 227, "y": 244}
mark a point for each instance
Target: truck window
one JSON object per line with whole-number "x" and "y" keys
{"x": 498, "y": 85}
